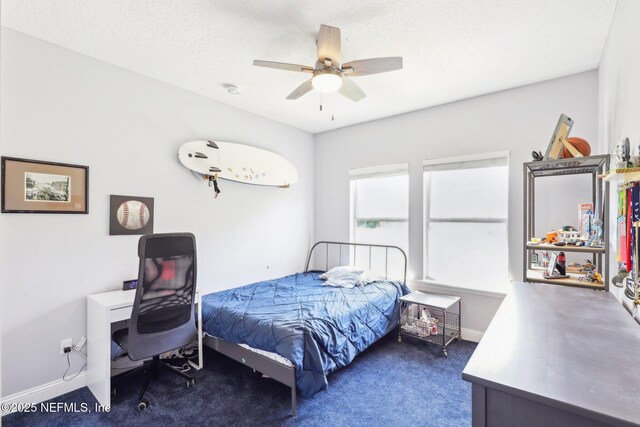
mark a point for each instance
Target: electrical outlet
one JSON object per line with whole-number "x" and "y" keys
{"x": 67, "y": 342}
{"x": 80, "y": 343}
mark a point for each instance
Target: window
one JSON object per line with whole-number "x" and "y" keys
{"x": 465, "y": 213}
{"x": 380, "y": 205}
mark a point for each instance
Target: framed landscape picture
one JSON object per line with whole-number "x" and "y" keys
{"x": 35, "y": 186}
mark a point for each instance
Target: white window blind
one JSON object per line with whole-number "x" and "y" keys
{"x": 466, "y": 215}
{"x": 380, "y": 205}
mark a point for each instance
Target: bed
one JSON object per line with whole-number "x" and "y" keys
{"x": 297, "y": 330}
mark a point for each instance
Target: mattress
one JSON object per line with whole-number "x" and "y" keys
{"x": 317, "y": 328}
{"x": 273, "y": 356}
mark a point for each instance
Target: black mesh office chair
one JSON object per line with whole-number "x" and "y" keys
{"x": 162, "y": 319}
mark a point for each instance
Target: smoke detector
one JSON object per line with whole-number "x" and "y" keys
{"x": 231, "y": 88}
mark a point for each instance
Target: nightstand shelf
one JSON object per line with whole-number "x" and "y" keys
{"x": 429, "y": 317}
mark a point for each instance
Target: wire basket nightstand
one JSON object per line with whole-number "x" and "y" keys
{"x": 430, "y": 317}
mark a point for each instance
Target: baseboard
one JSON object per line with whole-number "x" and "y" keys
{"x": 471, "y": 335}
{"x": 43, "y": 392}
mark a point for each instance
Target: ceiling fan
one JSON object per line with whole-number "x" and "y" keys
{"x": 329, "y": 75}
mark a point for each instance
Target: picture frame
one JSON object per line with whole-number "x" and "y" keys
{"x": 561, "y": 132}
{"x": 130, "y": 215}
{"x": 37, "y": 186}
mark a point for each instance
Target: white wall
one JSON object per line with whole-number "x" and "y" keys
{"x": 61, "y": 106}
{"x": 619, "y": 91}
{"x": 518, "y": 120}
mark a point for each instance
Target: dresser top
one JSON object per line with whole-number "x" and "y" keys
{"x": 571, "y": 348}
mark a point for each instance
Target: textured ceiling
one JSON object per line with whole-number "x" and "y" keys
{"x": 452, "y": 49}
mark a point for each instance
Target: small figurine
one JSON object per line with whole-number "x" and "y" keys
{"x": 635, "y": 156}
{"x": 623, "y": 153}
{"x": 593, "y": 277}
{"x": 588, "y": 266}
{"x": 596, "y": 238}
{"x": 568, "y": 234}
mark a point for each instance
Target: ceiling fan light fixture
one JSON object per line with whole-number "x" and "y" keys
{"x": 327, "y": 81}
{"x": 330, "y": 74}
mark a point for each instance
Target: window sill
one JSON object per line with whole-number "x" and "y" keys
{"x": 425, "y": 285}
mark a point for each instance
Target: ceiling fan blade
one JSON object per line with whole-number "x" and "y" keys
{"x": 329, "y": 45}
{"x": 301, "y": 90}
{"x": 351, "y": 90}
{"x": 365, "y": 67}
{"x": 283, "y": 66}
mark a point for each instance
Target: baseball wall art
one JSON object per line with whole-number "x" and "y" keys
{"x": 130, "y": 215}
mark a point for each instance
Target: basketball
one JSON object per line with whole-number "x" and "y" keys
{"x": 581, "y": 145}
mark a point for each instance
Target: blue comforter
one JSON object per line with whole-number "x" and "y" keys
{"x": 318, "y": 328}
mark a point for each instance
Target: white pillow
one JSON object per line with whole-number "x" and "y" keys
{"x": 343, "y": 276}
{"x": 341, "y": 271}
{"x": 368, "y": 277}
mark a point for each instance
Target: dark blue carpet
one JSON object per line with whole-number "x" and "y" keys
{"x": 390, "y": 384}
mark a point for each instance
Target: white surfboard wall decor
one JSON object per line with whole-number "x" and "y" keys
{"x": 238, "y": 162}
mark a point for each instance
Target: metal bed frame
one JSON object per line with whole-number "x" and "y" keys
{"x": 272, "y": 368}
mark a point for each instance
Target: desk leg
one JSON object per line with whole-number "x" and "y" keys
{"x": 99, "y": 352}
{"x": 200, "y": 364}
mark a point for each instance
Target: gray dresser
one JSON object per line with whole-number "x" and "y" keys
{"x": 557, "y": 356}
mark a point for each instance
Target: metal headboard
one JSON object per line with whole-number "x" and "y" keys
{"x": 355, "y": 245}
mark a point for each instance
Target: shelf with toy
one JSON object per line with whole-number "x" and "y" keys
{"x": 535, "y": 274}
{"x": 622, "y": 175}
{"x": 568, "y": 166}
{"x": 627, "y": 165}
{"x": 565, "y": 248}
{"x": 627, "y": 174}
{"x": 594, "y": 228}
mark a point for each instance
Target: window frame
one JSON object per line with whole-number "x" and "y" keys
{"x": 457, "y": 162}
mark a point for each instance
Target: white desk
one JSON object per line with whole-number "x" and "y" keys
{"x": 103, "y": 310}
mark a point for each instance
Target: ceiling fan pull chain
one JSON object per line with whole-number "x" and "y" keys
{"x": 332, "y": 108}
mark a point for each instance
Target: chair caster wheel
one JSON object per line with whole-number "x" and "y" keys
{"x": 142, "y": 405}
{"x": 191, "y": 383}
{"x": 399, "y": 339}
{"x": 113, "y": 392}
{"x": 444, "y": 353}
